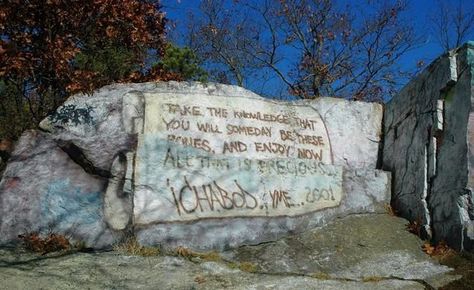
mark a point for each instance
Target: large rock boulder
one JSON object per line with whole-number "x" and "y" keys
{"x": 428, "y": 145}
{"x": 105, "y": 164}
{"x": 354, "y": 129}
{"x": 43, "y": 190}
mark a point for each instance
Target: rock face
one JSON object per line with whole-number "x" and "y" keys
{"x": 254, "y": 169}
{"x": 354, "y": 129}
{"x": 428, "y": 133}
{"x": 356, "y": 252}
{"x": 354, "y": 248}
{"x": 186, "y": 164}
{"x": 365, "y": 191}
{"x": 43, "y": 190}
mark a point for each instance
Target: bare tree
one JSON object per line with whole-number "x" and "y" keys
{"x": 313, "y": 47}
{"x": 453, "y": 23}
{"x": 221, "y": 36}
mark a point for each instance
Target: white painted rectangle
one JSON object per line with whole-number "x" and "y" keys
{"x": 238, "y": 126}
{"x": 175, "y": 183}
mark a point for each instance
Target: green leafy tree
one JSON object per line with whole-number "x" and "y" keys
{"x": 184, "y": 62}
{"x": 108, "y": 64}
{"x": 15, "y": 112}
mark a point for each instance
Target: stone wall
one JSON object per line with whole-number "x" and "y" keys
{"x": 427, "y": 146}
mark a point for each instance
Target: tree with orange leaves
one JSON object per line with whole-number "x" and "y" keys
{"x": 52, "y": 48}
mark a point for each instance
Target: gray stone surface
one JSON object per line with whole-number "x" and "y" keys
{"x": 359, "y": 122}
{"x": 112, "y": 271}
{"x": 216, "y": 123}
{"x": 118, "y": 203}
{"x": 357, "y": 252}
{"x": 357, "y": 248}
{"x": 427, "y": 136}
{"x": 43, "y": 190}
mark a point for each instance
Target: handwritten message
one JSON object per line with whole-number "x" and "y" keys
{"x": 239, "y": 126}
{"x": 177, "y": 183}
{"x": 220, "y": 157}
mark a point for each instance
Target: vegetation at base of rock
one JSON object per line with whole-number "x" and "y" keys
{"x": 440, "y": 250}
{"x": 185, "y": 252}
{"x": 244, "y": 266}
{"x": 212, "y": 256}
{"x": 463, "y": 264}
{"x": 200, "y": 279}
{"x": 132, "y": 247}
{"x": 248, "y": 267}
{"x": 390, "y": 210}
{"x": 372, "y": 279}
{"x": 321, "y": 276}
{"x": 414, "y": 227}
{"x": 51, "y": 243}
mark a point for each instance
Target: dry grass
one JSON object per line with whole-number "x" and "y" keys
{"x": 200, "y": 279}
{"x": 440, "y": 251}
{"x": 243, "y": 266}
{"x": 248, "y": 267}
{"x": 210, "y": 256}
{"x": 321, "y": 276}
{"x": 463, "y": 264}
{"x": 389, "y": 209}
{"x": 372, "y": 279}
{"x": 206, "y": 256}
{"x": 414, "y": 227}
{"x": 185, "y": 252}
{"x": 132, "y": 247}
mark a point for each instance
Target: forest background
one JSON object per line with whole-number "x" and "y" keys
{"x": 283, "y": 49}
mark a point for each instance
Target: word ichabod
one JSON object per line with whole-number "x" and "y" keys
{"x": 210, "y": 197}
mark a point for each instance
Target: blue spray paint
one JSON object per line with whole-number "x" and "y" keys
{"x": 67, "y": 206}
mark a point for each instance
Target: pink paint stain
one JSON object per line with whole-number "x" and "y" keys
{"x": 13, "y": 182}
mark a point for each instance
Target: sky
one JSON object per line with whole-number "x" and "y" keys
{"x": 419, "y": 12}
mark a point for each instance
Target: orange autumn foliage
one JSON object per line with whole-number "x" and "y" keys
{"x": 414, "y": 227}
{"x": 50, "y": 49}
{"x": 40, "y": 39}
{"x": 51, "y": 243}
{"x": 441, "y": 250}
